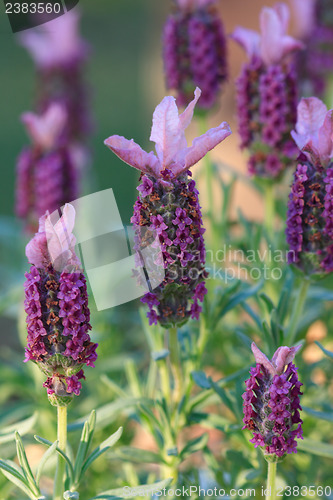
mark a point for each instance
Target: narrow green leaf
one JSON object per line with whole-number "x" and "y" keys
{"x": 86, "y": 436}
{"x": 223, "y": 395}
{"x": 102, "y": 448}
{"x": 71, "y": 495}
{"x": 25, "y": 464}
{"x": 13, "y": 473}
{"x": 328, "y": 353}
{"x": 49, "y": 452}
{"x": 69, "y": 463}
{"x": 128, "y": 492}
{"x": 268, "y": 302}
{"x": 315, "y": 447}
{"x": 194, "y": 445}
{"x": 8, "y": 433}
{"x": 200, "y": 378}
{"x": 319, "y": 414}
{"x": 137, "y": 455}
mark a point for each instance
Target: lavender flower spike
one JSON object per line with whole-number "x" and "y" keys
{"x": 267, "y": 93}
{"x": 47, "y": 176}
{"x": 194, "y": 51}
{"x": 310, "y": 208}
{"x": 271, "y": 403}
{"x": 56, "y": 303}
{"x": 168, "y": 205}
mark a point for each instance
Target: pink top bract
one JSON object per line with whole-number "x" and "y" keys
{"x": 56, "y": 42}
{"x": 281, "y": 358}
{"x": 194, "y": 4}
{"x": 314, "y": 130}
{"x": 305, "y": 17}
{"x": 54, "y": 243}
{"x": 272, "y": 44}
{"x": 45, "y": 129}
{"x": 171, "y": 147}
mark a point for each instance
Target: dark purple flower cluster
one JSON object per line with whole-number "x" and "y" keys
{"x": 267, "y": 112}
{"x": 271, "y": 410}
{"x": 170, "y": 208}
{"x": 45, "y": 181}
{"x": 58, "y": 317}
{"x": 195, "y": 54}
{"x": 315, "y": 65}
{"x": 310, "y": 218}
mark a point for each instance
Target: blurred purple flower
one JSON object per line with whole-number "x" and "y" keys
{"x": 266, "y": 93}
{"x": 168, "y": 205}
{"x": 47, "y": 176}
{"x": 56, "y": 303}
{"x": 271, "y": 403}
{"x": 194, "y": 51}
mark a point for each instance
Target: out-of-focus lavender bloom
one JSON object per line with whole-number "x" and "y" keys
{"x": 194, "y": 50}
{"x": 271, "y": 403}
{"x": 168, "y": 205}
{"x": 56, "y": 303}
{"x": 47, "y": 176}
{"x": 314, "y": 25}
{"x": 266, "y": 93}
{"x": 310, "y": 209}
{"x": 59, "y": 54}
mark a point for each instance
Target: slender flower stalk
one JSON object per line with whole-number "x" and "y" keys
{"x": 168, "y": 205}
{"x": 194, "y": 50}
{"x": 62, "y": 443}
{"x": 56, "y": 303}
{"x": 271, "y": 403}
{"x": 310, "y": 209}
{"x": 267, "y": 93}
{"x": 47, "y": 176}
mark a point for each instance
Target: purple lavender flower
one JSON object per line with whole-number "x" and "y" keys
{"x": 314, "y": 25}
{"x": 266, "y": 94}
{"x": 168, "y": 205}
{"x": 56, "y": 303}
{"x": 59, "y": 54}
{"x": 47, "y": 176}
{"x": 310, "y": 209}
{"x": 271, "y": 403}
{"x": 194, "y": 50}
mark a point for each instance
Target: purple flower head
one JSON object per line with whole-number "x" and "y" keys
{"x": 168, "y": 206}
{"x": 47, "y": 175}
{"x": 310, "y": 209}
{"x": 267, "y": 94}
{"x": 194, "y": 51}
{"x": 314, "y": 26}
{"x": 271, "y": 403}
{"x": 56, "y": 304}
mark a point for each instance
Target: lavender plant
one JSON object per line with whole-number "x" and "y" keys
{"x": 194, "y": 51}
{"x": 47, "y": 176}
{"x": 267, "y": 93}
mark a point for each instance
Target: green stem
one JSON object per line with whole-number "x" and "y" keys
{"x": 298, "y": 310}
{"x": 269, "y": 209}
{"x": 62, "y": 442}
{"x": 271, "y": 477}
{"x": 165, "y": 379}
{"x": 175, "y": 364}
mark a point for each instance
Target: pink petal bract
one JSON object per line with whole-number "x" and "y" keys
{"x": 262, "y": 359}
{"x": 132, "y": 154}
{"x": 56, "y": 42}
{"x": 314, "y": 130}
{"x": 283, "y": 356}
{"x": 201, "y": 145}
{"x": 248, "y": 39}
{"x": 45, "y": 129}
